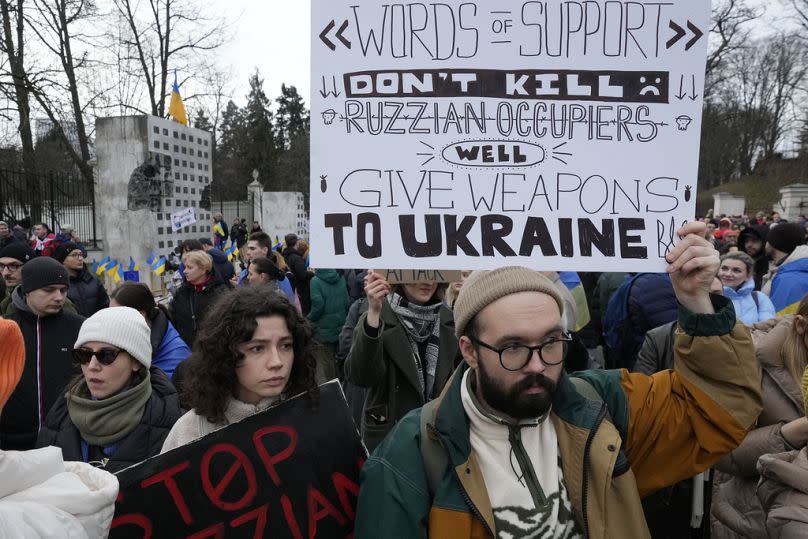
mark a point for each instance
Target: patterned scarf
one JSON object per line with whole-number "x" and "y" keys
{"x": 421, "y": 323}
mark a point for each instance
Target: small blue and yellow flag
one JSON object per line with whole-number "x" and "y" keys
{"x": 176, "y": 109}
{"x": 95, "y": 266}
{"x": 159, "y": 266}
{"x": 573, "y": 283}
{"x": 151, "y": 258}
{"x": 132, "y": 265}
{"x": 231, "y": 250}
{"x": 278, "y": 245}
{"x": 115, "y": 271}
{"x": 789, "y": 286}
{"x": 218, "y": 230}
{"x": 102, "y": 266}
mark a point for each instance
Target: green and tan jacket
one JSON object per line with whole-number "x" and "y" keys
{"x": 647, "y": 432}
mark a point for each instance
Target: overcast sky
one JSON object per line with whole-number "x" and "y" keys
{"x": 274, "y": 37}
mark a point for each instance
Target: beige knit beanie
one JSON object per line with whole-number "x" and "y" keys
{"x": 484, "y": 287}
{"x": 123, "y": 327}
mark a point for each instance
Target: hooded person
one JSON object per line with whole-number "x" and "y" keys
{"x": 86, "y": 291}
{"x": 49, "y": 332}
{"x": 119, "y": 410}
{"x": 787, "y": 280}
{"x": 753, "y": 243}
{"x": 41, "y": 495}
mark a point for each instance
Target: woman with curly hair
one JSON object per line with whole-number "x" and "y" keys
{"x": 253, "y": 350}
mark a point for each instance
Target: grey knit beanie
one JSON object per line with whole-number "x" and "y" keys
{"x": 485, "y": 287}
{"x": 122, "y": 327}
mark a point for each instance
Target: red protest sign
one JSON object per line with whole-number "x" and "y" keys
{"x": 291, "y": 471}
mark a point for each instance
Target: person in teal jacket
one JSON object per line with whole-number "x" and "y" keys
{"x": 329, "y": 307}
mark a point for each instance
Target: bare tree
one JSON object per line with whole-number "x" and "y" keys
{"x": 784, "y": 70}
{"x": 164, "y": 36}
{"x": 13, "y": 45}
{"x": 728, "y": 33}
{"x": 55, "y": 23}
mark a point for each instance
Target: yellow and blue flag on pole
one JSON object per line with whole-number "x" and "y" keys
{"x": 132, "y": 265}
{"x": 176, "y": 109}
{"x": 231, "y": 251}
{"x": 102, "y": 266}
{"x": 159, "y": 266}
{"x": 114, "y": 270}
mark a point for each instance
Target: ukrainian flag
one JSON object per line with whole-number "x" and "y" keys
{"x": 176, "y": 108}
{"x": 278, "y": 244}
{"x": 573, "y": 283}
{"x": 159, "y": 266}
{"x": 115, "y": 272}
{"x": 231, "y": 250}
{"x": 132, "y": 265}
{"x": 102, "y": 266}
{"x": 789, "y": 286}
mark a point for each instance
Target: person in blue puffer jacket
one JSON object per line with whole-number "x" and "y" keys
{"x": 737, "y": 275}
{"x": 168, "y": 348}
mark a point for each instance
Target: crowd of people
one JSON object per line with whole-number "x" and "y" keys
{"x": 512, "y": 403}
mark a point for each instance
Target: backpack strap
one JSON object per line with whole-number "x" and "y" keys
{"x": 755, "y": 298}
{"x": 432, "y": 452}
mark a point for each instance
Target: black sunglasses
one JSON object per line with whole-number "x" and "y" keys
{"x": 105, "y": 356}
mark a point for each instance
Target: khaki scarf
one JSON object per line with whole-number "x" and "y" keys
{"x": 104, "y": 422}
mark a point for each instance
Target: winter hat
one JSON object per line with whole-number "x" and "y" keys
{"x": 41, "y": 272}
{"x": 485, "y": 287}
{"x": 12, "y": 358}
{"x": 18, "y": 251}
{"x": 65, "y": 249}
{"x": 123, "y": 327}
{"x": 786, "y": 237}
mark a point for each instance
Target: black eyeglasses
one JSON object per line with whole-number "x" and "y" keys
{"x": 12, "y": 267}
{"x": 514, "y": 357}
{"x": 105, "y": 356}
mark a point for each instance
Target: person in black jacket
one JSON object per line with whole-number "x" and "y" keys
{"x": 86, "y": 291}
{"x": 49, "y": 332}
{"x": 220, "y": 262}
{"x": 302, "y": 276}
{"x": 752, "y": 242}
{"x": 119, "y": 411}
{"x": 199, "y": 290}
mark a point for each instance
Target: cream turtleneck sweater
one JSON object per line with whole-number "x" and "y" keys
{"x": 191, "y": 426}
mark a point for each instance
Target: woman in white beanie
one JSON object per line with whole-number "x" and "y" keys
{"x": 120, "y": 409}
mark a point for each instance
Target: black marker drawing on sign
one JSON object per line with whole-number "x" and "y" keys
{"x": 683, "y": 122}
{"x": 680, "y": 32}
{"x": 687, "y": 193}
{"x": 501, "y": 25}
{"x": 325, "y": 92}
{"x": 494, "y": 153}
{"x": 666, "y": 237}
{"x": 328, "y": 116}
{"x": 431, "y": 157}
{"x": 323, "y": 183}
{"x": 437, "y": 32}
{"x": 545, "y": 84}
{"x": 556, "y": 153}
{"x": 683, "y": 93}
{"x": 526, "y": 119}
{"x": 330, "y": 44}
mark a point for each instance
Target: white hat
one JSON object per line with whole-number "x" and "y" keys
{"x": 123, "y": 327}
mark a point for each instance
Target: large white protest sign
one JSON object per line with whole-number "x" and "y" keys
{"x": 475, "y": 134}
{"x": 183, "y": 218}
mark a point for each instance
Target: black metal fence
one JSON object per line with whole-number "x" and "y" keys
{"x": 53, "y": 198}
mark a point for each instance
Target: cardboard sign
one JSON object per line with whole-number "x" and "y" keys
{"x": 181, "y": 219}
{"x": 557, "y": 135}
{"x": 420, "y": 276}
{"x": 291, "y": 471}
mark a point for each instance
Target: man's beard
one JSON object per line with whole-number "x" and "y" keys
{"x": 514, "y": 401}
